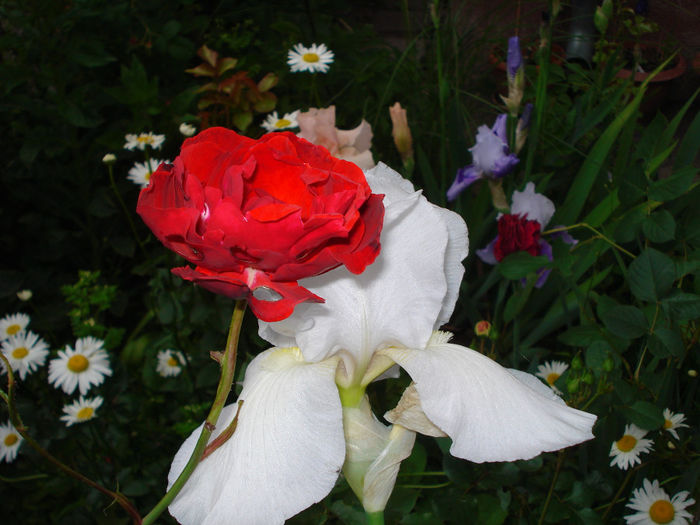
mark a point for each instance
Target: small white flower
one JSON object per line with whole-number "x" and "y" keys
{"x": 81, "y": 410}
{"x": 170, "y": 363}
{"x": 80, "y": 368}
{"x": 673, "y": 421}
{"x": 24, "y": 295}
{"x": 654, "y": 506}
{"x": 551, "y": 371}
{"x": 109, "y": 158}
{"x": 311, "y": 59}
{"x": 141, "y": 172}
{"x": 142, "y": 140}
{"x": 187, "y": 129}
{"x": 10, "y": 440}
{"x": 626, "y": 450}
{"x": 275, "y": 123}
{"x": 26, "y": 352}
{"x": 13, "y": 324}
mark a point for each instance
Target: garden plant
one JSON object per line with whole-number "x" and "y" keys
{"x": 265, "y": 264}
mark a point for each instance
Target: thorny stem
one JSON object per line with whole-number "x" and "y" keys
{"x": 22, "y": 430}
{"x": 589, "y": 227}
{"x": 228, "y": 367}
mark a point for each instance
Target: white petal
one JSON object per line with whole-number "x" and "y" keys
{"x": 457, "y": 250}
{"x": 284, "y": 456}
{"x": 409, "y": 413}
{"x": 489, "y": 413}
{"x": 535, "y": 206}
{"x": 396, "y": 301}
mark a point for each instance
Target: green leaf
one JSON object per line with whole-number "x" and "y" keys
{"x": 596, "y": 354}
{"x": 645, "y": 415}
{"x": 682, "y": 306}
{"x": 659, "y": 226}
{"x": 626, "y": 321}
{"x": 518, "y": 265}
{"x": 268, "y": 82}
{"x": 651, "y": 275}
{"x": 666, "y": 342}
{"x": 603, "y": 210}
{"x": 674, "y": 186}
{"x": 690, "y": 145}
{"x": 581, "y": 335}
{"x": 243, "y": 120}
{"x": 491, "y": 512}
{"x": 627, "y": 228}
{"x": 518, "y": 300}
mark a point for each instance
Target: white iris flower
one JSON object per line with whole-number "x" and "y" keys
{"x": 306, "y": 415}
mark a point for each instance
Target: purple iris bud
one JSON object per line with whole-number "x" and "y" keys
{"x": 514, "y": 60}
{"x": 525, "y": 116}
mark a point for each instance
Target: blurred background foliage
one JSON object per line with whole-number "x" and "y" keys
{"x": 621, "y": 309}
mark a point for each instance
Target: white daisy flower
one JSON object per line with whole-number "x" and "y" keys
{"x": 10, "y": 440}
{"x": 142, "y": 140}
{"x": 274, "y": 123}
{"x": 673, "y": 421}
{"x": 626, "y": 450}
{"x": 654, "y": 506}
{"x": 13, "y": 324}
{"x": 551, "y": 371}
{"x": 83, "y": 367}
{"x": 26, "y": 352}
{"x": 141, "y": 172}
{"x": 311, "y": 59}
{"x": 170, "y": 363}
{"x": 81, "y": 410}
{"x": 187, "y": 129}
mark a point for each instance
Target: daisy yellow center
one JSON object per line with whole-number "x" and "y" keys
{"x": 144, "y": 140}
{"x": 283, "y": 123}
{"x": 668, "y": 424}
{"x": 148, "y": 176}
{"x": 10, "y": 440}
{"x": 172, "y": 361}
{"x": 661, "y": 511}
{"x": 85, "y": 413}
{"x": 310, "y": 57}
{"x": 626, "y": 443}
{"x": 20, "y": 353}
{"x": 13, "y": 329}
{"x": 552, "y": 378}
{"x": 78, "y": 363}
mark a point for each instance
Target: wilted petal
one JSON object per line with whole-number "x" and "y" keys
{"x": 284, "y": 456}
{"x": 534, "y": 206}
{"x": 487, "y": 254}
{"x": 409, "y": 413}
{"x": 489, "y": 413}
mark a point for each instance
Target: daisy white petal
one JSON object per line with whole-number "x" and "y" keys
{"x": 170, "y": 363}
{"x": 626, "y": 450}
{"x": 551, "y": 371}
{"x": 10, "y": 440}
{"x": 141, "y": 172}
{"x": 81, "y": 368}
{"x": 285, "y": 454}
{"x": 13, "y": 324}
{"x": 311, "y": 59}
{"x": 26, "y": 352}
{"x": 654, "y": 506}
{"x": 274, "y": 123}
{"x": 142, "y": 140}
{"x": 81, "y": 410}
{"x": 673, "y": 421}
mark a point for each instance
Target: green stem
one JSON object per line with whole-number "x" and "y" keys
{"x": 560, "y": 460}
{"x": 375, "y": 518}
{"x": 617, "y": 494}
{"x": 127, "y": 214}
{"x": 589, "y": 227}
{"x": 228, "y": 367}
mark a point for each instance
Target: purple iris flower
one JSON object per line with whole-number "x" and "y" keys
{"x": 491, "y": 158}
{"x": 514, "y": 59}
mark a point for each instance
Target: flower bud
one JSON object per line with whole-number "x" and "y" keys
{"x": 577, "y": 363}
{"x": 608, "y": 365}
{"x": 671, "y": 446}
{"x": 187, "y": 129}
{"x": 483, "y": 329}
{"x": 109, "y": 158}
{"x": 693, "y": 373}
{"x": 572, "y": 385}
{"x": 587, "y": 377}
{"x": 401, "y": 132}
{"x": 24, "y": 295}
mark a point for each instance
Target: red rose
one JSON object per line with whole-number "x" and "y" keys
{"x": 255, "y": 216}
{"x": 516, "y": 234}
